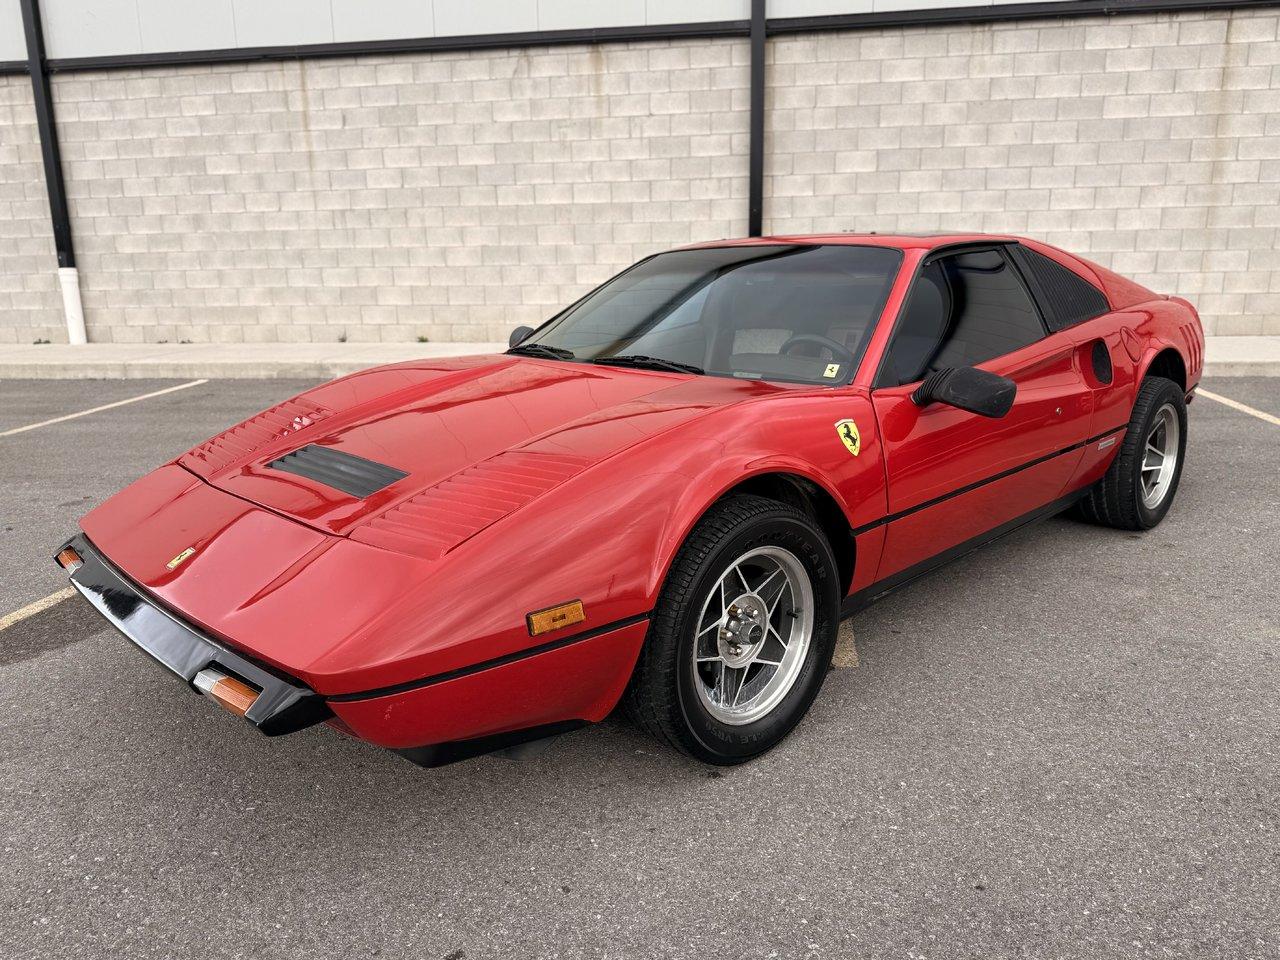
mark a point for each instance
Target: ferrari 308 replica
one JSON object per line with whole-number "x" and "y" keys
{"x": 668, "y": 494}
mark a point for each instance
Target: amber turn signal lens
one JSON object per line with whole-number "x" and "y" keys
{"x": 553, "y": 618}
{"x": 69, "y": 560}
{"x": 227, "y": 692}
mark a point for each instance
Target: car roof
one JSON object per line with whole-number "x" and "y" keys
{"x": 901, "y": 241}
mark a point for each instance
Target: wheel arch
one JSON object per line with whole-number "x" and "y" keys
{"x": 1166, "y": 361}
{"x": 786, "y": 485}
{"x": 814, "y": 499}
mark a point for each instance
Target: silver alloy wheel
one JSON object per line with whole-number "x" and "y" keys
{"x": 1160, "y": 457}
{"x": 753, "y": 635}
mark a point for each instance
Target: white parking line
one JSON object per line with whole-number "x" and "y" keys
{"x": 1237, "y": 405}
{"x": 105, "y": 406}
{"x": 31, "y": 609}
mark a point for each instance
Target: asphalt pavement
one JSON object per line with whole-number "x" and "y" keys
{"x": 1066, "y": 745}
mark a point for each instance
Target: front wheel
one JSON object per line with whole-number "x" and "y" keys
{"x": 742, "y": 634}
{"x": 1140, "y": 484}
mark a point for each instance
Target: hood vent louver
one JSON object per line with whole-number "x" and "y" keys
{"x": 343, "y": 471}
{"x": 435, "y": 521}
{"x": 244, "y": 439}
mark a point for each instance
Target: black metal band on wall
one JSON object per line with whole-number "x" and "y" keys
{"x": 49, "y": 151}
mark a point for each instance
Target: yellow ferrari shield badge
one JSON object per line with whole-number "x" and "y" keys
{"x": 848, "y": 431}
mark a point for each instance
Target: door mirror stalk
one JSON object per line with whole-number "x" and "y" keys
{"x": 518, "y": 336}
{"x": 967, "y": 388}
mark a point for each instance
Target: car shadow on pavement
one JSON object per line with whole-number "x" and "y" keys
{"x": 65, "y": 623}
{"x": 140, "y": 716}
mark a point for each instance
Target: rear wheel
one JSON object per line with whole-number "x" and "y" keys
{"x": 742, "y": 633}
{"x": 1141, "y": 482}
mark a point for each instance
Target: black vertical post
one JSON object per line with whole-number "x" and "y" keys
{"x": 755, "y": 171}
{"x": 52, "y": 156}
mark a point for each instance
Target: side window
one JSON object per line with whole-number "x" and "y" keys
{"x": 964, "y": 309}
{"x": 1069, "y": 298}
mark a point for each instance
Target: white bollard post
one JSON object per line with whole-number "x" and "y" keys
{"x": 69, "y": 278}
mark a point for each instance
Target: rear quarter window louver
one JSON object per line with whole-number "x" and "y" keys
{"x": 1069, "y": 297}
{"x": 342, "y": 471}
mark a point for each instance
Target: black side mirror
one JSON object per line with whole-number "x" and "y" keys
{"x": 968, "y": 388}
{"x": 518, "y": 336}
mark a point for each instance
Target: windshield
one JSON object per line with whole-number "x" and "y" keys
{"x": 797, "y": 313}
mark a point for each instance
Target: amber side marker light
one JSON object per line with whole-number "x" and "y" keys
{"x": 553, "y": 618}
{"x": 69, "y": 560}
{"x": 227, "y": 692}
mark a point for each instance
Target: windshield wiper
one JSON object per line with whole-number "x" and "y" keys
{"x": 648, "y": 363}
{"x": 542, "y": 350}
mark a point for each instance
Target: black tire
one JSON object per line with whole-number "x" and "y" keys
{"x": 662, "y": 699}
{"x": 1117, "y": 499}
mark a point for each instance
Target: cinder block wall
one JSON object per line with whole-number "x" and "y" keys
{"x": 30, "y": 305}
{"x": 448, "y": 196}
{"x": 456, "y": 196}
{"x": 1150, "y": 144}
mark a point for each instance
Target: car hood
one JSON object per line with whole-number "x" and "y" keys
{"x": 466, "y": 441}
{"x": 329, "y": 586}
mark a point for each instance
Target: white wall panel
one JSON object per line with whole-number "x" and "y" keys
{"x": 381, "y": 19}
{"x": 701, "y": 11}
{"x": 91, "y": 28}
{"x": 13, "y": 45}
{"x": 186, "y": 25}
{"x": 577, "y": 14}
{"x": 815, "y": 8}
{"x": 266, "y": 23}
{"x": 880, "y": 6}
{"x": 78, "y": 28}
{"x": 462, "y": 18}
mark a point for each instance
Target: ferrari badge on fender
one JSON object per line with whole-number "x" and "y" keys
{"x": 848, "y": 431}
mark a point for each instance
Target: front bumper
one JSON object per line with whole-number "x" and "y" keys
{"x": 282, "y": 705}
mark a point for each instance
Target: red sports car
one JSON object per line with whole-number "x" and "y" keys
{"x": 670, "y": 493}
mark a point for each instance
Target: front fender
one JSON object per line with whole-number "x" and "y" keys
{"x": 606, "y": 537}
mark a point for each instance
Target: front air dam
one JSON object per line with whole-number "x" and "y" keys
{"x": 515, "y": 699}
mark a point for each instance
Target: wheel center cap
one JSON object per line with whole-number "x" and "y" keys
{"x": 743, "y": 631}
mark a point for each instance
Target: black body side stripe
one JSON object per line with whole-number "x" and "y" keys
{"x": 890, "y": 518}
{"x": 868, "y": 595}
{"x": 490, "y": 664}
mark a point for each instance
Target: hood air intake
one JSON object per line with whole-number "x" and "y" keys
{"x": 342, "y": 471}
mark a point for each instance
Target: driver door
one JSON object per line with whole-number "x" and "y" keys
{"x": 953, "y": 475}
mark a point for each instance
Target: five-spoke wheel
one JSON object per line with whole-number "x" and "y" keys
{"x": 743, "y": 633}
{"x": 1141, "y": 481}
{"x": 1160, "y": 456}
